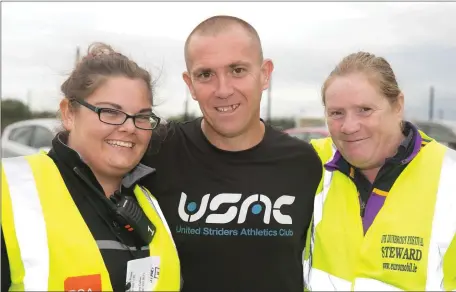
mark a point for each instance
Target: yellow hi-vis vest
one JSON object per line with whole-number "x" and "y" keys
{"x": 47, "y": 239}
{"x": 411, "y": 245}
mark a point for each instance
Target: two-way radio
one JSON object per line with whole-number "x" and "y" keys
{"x": 128, "y": 213}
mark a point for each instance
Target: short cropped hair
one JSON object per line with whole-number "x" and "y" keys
{"x": 219, "y": 24}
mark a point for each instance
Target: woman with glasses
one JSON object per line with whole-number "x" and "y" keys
{"x": 75, "y": 218}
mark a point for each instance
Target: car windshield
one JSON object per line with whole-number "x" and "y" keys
{"x": 438, "y": 132}
{"x": 316, "y": 135}
{"x": 307, "y": 136}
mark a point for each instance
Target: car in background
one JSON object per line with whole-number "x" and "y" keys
{"x": 308, "y": 133}
{"x": 448, "y": 123}
{"x": 441, "y": 132}
{"x": 29, "y": 137}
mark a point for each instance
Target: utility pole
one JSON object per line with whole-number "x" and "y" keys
{"x": 441, "y": 114}
{"x": 78, "y": 56}
{"x": 268, "y": 112}
{"x": 29, "y": 99}
{"x": 187, "y": 96}
{"x": 431, "y": 103}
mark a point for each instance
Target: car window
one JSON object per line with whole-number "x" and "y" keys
{"x": 21, "y": 135}
{"x": 42, "y": 137}
{"x": 424, "y": 128}
{"x": 308, "y": 136}
{"x": 444, "y": 133}
{"x": 316, "y": 135}
{"x": 301, "y": 136}
{"x": 452, "y": 145}
{"x": 439, "y": 132}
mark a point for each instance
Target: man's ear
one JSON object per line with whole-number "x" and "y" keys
{"x": 188, "y": 81}
{"x": 67, "y": 114}
{"x": 266, "y": 72}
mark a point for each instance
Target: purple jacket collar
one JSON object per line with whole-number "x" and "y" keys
{"x": 413, "y": 136}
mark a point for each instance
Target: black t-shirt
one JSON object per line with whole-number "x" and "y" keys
{"x": 239, "y": 219}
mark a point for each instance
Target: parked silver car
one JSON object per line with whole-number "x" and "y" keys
{"x": 442, "y": 132}
{"x": 28, "y": 137}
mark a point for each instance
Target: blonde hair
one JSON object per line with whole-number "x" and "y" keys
{"x": 375, "y": 67}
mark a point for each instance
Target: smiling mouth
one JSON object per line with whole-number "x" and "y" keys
{"x": 227, "y": 109}
{"x": 353, "y": 141}
{"x": 118, "y": 143}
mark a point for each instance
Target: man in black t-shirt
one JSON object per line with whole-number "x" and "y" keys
{"x": 237, "y": 194}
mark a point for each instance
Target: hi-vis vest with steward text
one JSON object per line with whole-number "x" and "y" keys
{"x": 411, "y": 245}
{"x": 49, "y": 244}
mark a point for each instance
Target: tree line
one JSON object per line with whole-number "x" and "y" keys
{"x": 280, "y": 123}
{"x": 14, "y": 110}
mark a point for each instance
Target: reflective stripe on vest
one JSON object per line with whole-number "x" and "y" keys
{"x": 362, "y": 284}
{"x": 158, "y": 210}
{"x": 442, "y": 232}
{"x": 443, "y": 224}
{"x": 29, "y": 223}
{"x": 323, "y": 280}
{"x": 45, "y": 251}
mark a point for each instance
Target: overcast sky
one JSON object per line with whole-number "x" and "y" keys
{"x": 305, "y": 40}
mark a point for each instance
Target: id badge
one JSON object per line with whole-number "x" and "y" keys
{"x": 143, "y": 274}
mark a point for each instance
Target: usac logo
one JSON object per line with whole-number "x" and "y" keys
{"x": 87, "y": 283}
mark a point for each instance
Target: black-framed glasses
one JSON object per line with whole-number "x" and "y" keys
{"x": 146, "y": 121}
